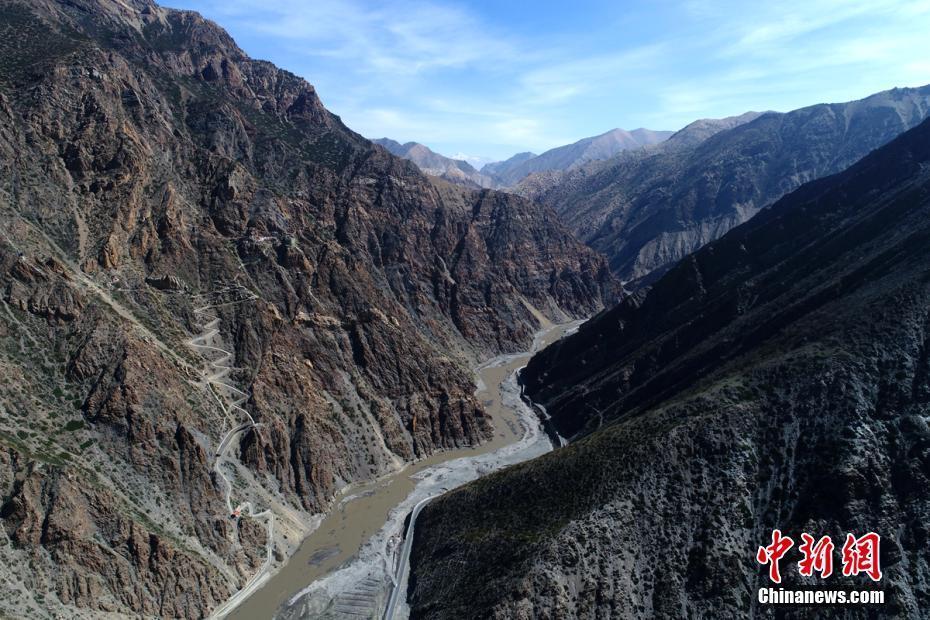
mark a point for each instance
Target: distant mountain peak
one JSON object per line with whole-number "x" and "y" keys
{"x": 456, "y": 171}
{"x": 645, "y": 213}
{"x": 602, "y": 146}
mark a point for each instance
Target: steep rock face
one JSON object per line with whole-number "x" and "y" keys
{"x": 778, "y": 378}
{"x": 188, "y": 237}
{"x": 648, "y": 211}
{"x": 108, "y": 499}
{"x": 95, "y": 557}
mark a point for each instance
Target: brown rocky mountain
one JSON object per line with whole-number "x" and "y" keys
{"x": 777, "y": 378}
{"x": 189, "y": 240}
{"x": 645, "y": 211}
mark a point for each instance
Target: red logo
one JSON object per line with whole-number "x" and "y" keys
{"x": 860, "y": 555}
{"x": 773, "y": 553}
{"x": 817, "y": 557}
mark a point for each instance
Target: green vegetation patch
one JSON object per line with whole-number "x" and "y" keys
{"x": 74, "y": 425}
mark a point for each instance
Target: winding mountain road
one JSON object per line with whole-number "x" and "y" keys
{"x": 215, "y": 378}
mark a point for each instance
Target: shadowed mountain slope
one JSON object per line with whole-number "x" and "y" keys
{"x": 777, "y": 378}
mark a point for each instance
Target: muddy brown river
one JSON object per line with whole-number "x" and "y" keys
{"x": 361, "y": 510}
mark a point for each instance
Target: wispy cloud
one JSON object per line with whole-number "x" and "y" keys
{"x": 394, "y": 38}
{"x": 570, "y": 79}
{"x": 789, "y": 54}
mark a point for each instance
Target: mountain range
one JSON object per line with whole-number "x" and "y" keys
{"x": 571, "y": 156}
{"x": 508, "y": 173}
{"x": 775, "y": 379}
{"x": 217, "y": 298}
{"x": 497, "y": 168}
{"x": 220, "y": 307}
{"x": 453, "y": 170}
{"x": 646, "y": 210}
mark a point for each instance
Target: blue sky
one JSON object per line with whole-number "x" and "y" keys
{"x": 488, "y": 79}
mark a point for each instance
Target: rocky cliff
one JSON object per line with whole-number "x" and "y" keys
{"x": 777, "y": 378}
{"x": 645, "y": 212}
{"x": 190, "y": 241}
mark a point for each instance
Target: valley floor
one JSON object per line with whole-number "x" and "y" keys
{"x": 349, "y": 566}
